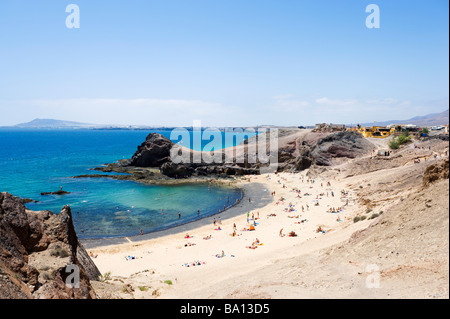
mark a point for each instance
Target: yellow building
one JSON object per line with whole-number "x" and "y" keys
{"x": 376, "y": 131}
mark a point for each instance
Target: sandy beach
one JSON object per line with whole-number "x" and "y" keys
{"x": 330, "y": 255}
{"x": 300, "y": 205}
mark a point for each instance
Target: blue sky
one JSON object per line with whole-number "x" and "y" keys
{"x": 224, "y": 62}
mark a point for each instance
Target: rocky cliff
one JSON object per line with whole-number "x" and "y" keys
{"x": 156, "y": 152}
{"x": 36, "y": 249}
{"x": 297, "y": 151}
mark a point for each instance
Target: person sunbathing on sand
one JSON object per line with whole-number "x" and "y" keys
{"x": 256, "y": 242}
{"x": 207, "y": 237}
{"x": 187, "y": 236}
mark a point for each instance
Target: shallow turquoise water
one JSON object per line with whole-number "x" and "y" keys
{"x": 38, "y": 161}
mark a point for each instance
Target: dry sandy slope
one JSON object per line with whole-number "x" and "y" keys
{"x": 406, "y": 247}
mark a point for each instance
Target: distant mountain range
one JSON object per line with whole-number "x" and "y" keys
{"x": 426, "y": 120}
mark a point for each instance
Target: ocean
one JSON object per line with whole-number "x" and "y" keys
{"x": 36, "y": 161}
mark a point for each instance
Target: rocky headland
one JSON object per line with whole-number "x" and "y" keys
{"x": 36, "y": 249}
{"x": 296, "y": 151}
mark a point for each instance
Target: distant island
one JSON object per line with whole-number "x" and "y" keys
{"x": 52, "y": 123}
{"x": 425, "y": 120}
{"x": 60, "y": 124}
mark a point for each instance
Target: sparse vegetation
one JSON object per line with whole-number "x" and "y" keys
{"x": 374, "y": 216}
{"x": 169, "y": 282}
{"x": 105, "y": 277}
{"x": 143, "y": 288}
{"x": 59, "y": 252}
{"x": 404, "y": 138}
{"x": 356, "y": 219}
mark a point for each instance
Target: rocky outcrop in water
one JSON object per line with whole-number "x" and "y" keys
{"x": 60, "y": 192}
{"x": 36, "y": 249}
{"x": 297, "y": 151}
{"x": 154, "y": 152}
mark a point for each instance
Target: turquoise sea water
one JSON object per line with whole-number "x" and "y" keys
{"x": 38, "y": 161}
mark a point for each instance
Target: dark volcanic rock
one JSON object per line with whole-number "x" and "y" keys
{"x": 295, "y": 154}
{"x": 29, "y": 268}
{"x": 60, "y": 192}
{"x": 176, "y": 170}
{"x": 339, "y": 145}
{"x": 323, "y": 152}
{"x": 154, "y": 152}
{"x": 442, "y": 137}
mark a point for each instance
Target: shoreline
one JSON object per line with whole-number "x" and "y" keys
{"x": 167, "y": 255}
{"x": 230, "y": 212}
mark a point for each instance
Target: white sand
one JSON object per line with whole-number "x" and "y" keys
{"x": 409, "y": 241}
{"x": 166, "y": 256}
